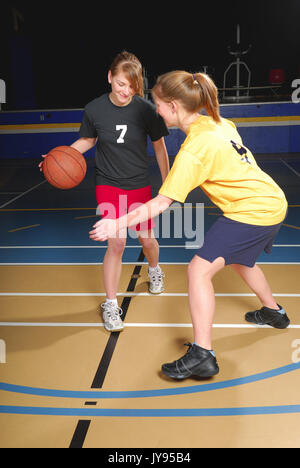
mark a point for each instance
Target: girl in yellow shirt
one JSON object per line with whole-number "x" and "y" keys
{"x": 214, "y": 158}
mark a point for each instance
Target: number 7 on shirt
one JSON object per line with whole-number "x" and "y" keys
{"x": 123, "y": 129}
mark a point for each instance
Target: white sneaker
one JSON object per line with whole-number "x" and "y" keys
{"x": 156, "y": 283}
{"x": 111, "y": 317}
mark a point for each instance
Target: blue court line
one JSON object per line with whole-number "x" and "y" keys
{"x": 150, "y": 393}
{"x": 150, "y": 413}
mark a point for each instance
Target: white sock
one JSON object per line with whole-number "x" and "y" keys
{"x": 152, "y": 270}
{"x": 112, "y": 301}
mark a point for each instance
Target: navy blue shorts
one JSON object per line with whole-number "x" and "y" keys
{"x": 236, "y": 242}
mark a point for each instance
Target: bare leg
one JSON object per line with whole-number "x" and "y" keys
{"x": 257, "y": 282}
{"x": 202, "y": 297}
{"x": 112, "y": 265}
{"x": 150, "y": 247}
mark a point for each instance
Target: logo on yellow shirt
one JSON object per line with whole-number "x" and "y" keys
{"x": 241, "y": 150}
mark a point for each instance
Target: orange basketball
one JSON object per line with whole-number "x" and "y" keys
{"x": 64, "y": 167}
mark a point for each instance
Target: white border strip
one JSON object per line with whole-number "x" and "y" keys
{"x": 132, "y": 325}
{"x": 256, "y": 103}
{"x": 127, "y": 263}
{"x": 182, "y": 246}
{"x": 92, "y": 246}
{"x": 70, "y": 109}
{"x": 271, "y": 123}
{"x": 130, "y": 294}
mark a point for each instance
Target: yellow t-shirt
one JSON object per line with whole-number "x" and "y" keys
{"x": 214, "y": 158}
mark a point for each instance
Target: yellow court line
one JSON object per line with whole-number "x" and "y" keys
{"x": 80, "y": 209}
{"x": 291, "y": 226}
{"x": 284, "y": 118}
{"x": 88, "y": 209}
{"x": 68, "y": 125}
{"x": 85, "y": 217}
{"x": 25, "y": 227}
{"x": 94, "y": 216}
{"x": 39, "y": 126}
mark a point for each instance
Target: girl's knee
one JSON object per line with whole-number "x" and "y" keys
{"x": 203, "y": 268}
{"x": 117, "y": 246}
{"x": 148, "y": 242}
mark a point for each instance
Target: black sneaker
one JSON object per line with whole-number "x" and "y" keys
{"x": 197, "y": 362}
{"x": 266, "y": 316}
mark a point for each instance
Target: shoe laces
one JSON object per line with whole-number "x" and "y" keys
{"x": 182, "y": 359}
{"x": 189, "y": 345}
{"x": 113, "y": 311}
{"x": 156, "y": 276}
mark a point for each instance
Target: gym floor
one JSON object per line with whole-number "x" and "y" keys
{"x": 66, "y": 382}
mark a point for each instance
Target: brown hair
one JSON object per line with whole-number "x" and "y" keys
{"x": 130, "y": 65}
{"x": 195, "y": 91}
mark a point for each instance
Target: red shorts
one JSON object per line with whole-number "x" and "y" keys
{"x": 114, "y": 202}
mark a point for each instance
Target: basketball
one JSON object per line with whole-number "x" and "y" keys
{"x": 64, "y": 167}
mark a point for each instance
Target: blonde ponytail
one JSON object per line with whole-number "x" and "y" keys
{"x": 195, "y": 91}
{"x": 210, "y": 95}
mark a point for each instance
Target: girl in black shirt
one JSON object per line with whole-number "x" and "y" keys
{"x": 119, "y": 123}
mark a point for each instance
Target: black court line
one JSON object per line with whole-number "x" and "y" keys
{"x": 80, "y": 434}
{"x": 83, "y": 425}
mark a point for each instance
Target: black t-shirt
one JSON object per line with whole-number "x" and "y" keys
{"x": 121, "y": 154}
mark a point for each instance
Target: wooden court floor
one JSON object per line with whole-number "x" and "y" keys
{"x": 67, "y": 382}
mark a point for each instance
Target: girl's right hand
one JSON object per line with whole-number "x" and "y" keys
{"x": 41, "y": 163}
{"x": 104, "y": 229}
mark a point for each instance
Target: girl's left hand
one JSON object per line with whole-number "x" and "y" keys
{"x": 104, "y": 229}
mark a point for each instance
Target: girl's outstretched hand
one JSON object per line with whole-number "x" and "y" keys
{"x": 104, "y": 229}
